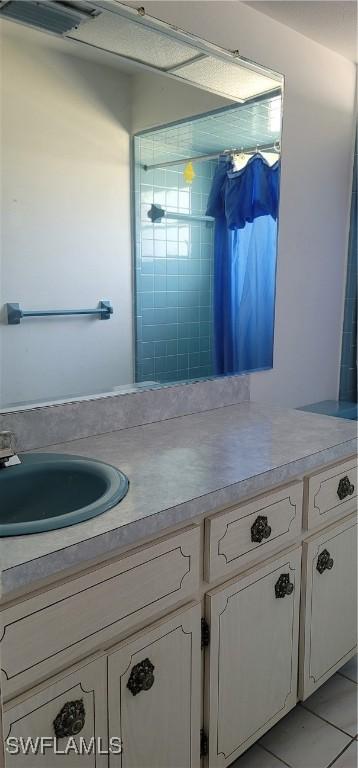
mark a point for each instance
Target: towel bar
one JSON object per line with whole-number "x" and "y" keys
{"x": 15, "y": 313}
{"x": 156, "y": 214}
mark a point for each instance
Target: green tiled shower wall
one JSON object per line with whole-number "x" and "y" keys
{"x": 348, "y": 373}
{"x": 174, "y": 272}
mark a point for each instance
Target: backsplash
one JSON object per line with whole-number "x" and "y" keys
{"x": 52, "y": 424}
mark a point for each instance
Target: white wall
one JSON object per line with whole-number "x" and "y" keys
{"x": 158, "y": 99}
{"x": 66, "y": 218}
{"x": 315, "y": 190}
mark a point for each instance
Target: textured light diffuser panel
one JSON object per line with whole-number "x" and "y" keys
{"x": 124, "y": 37}
{"x": 230, "y": 80}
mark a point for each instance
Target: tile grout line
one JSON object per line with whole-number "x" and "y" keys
{"x": 346, "y": 677}
{"x": 341, "y": 753}
{"x": 327, "y": 721}
{"x": 273, "y": 755}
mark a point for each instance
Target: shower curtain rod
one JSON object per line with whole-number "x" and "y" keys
{"x": 247, "y": 151}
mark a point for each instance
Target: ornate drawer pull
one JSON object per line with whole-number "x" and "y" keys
{"x": 345, "y": 488}
{"x": 70, "y": 720}
{"x": 324, "y": 561}
{"x": 141, "y": 677}
{"x": 260, "y": 529}
{"x": 283, "y": 585}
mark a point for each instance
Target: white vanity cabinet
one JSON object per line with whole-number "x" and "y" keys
{"x": 190, "y": 647}
{"x": 329, "y": 605}
{"x": 144, "y": 695}
{"x": 154, "y": 695}
{"x": 252, "y": 656}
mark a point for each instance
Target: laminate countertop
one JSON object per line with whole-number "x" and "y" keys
{"x": 179, "y": 469}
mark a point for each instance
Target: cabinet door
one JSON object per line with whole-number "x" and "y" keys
{"x": 329, "y": 605}
{"x": 154, "y": 695}
{"x": 72, "y": 708}
{"x": 252, "y": 657}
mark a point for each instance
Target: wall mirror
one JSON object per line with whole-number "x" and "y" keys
{"x": 140, "y": 187}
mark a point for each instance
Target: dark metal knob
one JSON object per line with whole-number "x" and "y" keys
{"x": 283, "y": 585}
{"x": 70, "y": 720}
{"x": 345, "y": 488}
{"x": 141, "y": 677}
{"x": 260, "y": 529}
{"x": 324, "y": 561}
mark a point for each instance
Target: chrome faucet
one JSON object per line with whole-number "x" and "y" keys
{"x": 8, "y": 456}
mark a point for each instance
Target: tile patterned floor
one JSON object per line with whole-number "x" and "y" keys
{"x": 319, "y": 733}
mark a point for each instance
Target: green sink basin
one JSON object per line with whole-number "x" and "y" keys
{"x": 50, "y": 490}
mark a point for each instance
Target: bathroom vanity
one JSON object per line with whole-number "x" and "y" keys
{"x": 194, "y": 615}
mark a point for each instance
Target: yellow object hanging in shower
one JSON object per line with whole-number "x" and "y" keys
{"x": 189, "y": 173}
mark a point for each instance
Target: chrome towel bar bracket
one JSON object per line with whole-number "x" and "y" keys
{"x": 15, "y": 314}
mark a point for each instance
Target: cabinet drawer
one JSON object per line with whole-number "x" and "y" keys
{"x": 252, "y": 656}
{"x": 329, "y": 604}
{"x": 238, "y": 536}
{"x": 330, "y": 494}
{"x": 46, "y": 714}
{"x": 71, "y": 620}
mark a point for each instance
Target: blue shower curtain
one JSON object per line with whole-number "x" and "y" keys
{"x": 245, "y": 206}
